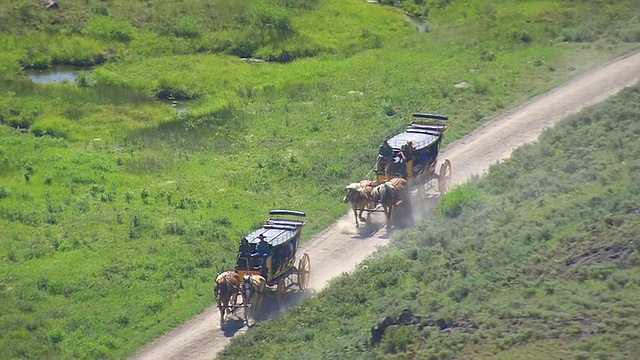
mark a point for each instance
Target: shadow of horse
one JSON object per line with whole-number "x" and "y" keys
{"x": 232, "y": 326}
{"x": 370, "y": 228}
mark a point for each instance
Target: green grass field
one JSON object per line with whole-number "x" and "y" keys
{"x": 117, "y": 211}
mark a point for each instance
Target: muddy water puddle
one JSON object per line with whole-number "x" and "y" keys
{"x": 69, "y": 74}
{"x": 55, "y": 75}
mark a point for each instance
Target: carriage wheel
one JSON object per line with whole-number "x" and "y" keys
{"x": 281, "y": 291}
{"x": 444, "y": 181}
{"x": 304, "y": 271}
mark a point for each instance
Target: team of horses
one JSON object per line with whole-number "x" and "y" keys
{"x": 250, "y": 287}
{"x": 363, "y": 196}
{"x": 367, "y": 194}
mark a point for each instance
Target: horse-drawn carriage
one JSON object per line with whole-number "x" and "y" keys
{"x": 410, "y": 162}
{"x": 421, "y": 141}
{"x": 266, "y": 261}
{"x": 271, "y": 252}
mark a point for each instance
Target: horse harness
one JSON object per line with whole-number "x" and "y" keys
{"x": 359, "y": 197}
{"x": 222, "y": 289}
{"x": 387, "y": 193}
{"x": 354, "y": 199}
{"x": 249, "y": 284}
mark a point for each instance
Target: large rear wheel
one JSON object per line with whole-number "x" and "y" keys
{"x": 444, "y": 180}
{"x": 304, "y": 271}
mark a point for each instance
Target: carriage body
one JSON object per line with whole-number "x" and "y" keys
{"x": 420, "y": 168}
{"x": 277, "y": 265}
{"x": 282, "y": 232}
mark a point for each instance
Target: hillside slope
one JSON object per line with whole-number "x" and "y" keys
{"x": 338, "y": 249}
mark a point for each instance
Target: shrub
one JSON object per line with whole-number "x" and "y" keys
{"x": 398, "y": 339}
{"x": 56, "y": 127}
{"x": 187, "y": 27}
{"x": 520, "y": 35}
{"x": 457, "y": 199}
{"x": 630, "y": 34}
{"x": 169, "y": 89}
{"x": 271, "y": 18}
{"x": 106, "y": 28}
{"x": 581, "y": 34}
{"x": 4, "y": 192}
{"x": 371, "y": 39}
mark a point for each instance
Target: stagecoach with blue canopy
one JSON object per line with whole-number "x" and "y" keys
{"x": 270, "y": 251}
{"x": 424, "y": 135}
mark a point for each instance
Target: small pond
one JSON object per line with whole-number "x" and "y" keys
{"x": 61, "y": 74}
{"x": 56, "y": 74}
{"x": 181, "y": 106}
{"x": 421, "y": 24}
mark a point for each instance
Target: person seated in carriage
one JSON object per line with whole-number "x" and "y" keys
{"x": 407, "y": 150}
{"x": 262, "y": 252}
{"x": 244, "y": 258}
{"x": 404, "y": 155}
{"x": 283, "y": 255}
{"x": 385, "y": 154}
{"x": 263, "y": 247}
{"x": 244, "y": 249}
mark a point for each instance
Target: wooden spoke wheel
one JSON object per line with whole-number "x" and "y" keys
{"x": 281, "y": 290}
{"x": 444, "y": 181}
{"x": 304, "y": 271}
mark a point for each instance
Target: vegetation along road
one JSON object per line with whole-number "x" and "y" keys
{"x": 139, "y": 140}
{"x": 339, "y": 248}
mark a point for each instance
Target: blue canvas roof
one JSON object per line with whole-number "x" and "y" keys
{"x": 419, "y": 140}
{"x": 283, "y": 226}
{"x": 274, "y": 235}
{"x": 421, "y": 133}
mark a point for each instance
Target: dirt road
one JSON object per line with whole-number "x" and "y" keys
{"x": 340, "y": 247}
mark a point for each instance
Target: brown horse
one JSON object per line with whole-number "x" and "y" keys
{"x": 359, "y": 196}
{"x": 253, "y": 291}
{"x": 226, "y": 292}
{"x": 389, "y": 194}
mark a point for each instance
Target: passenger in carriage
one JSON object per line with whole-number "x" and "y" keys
{"x": 263, "y": 246}
{"x": 405, "y": 155}
{"x": 283, "y": 255}
{"x": 408, "y": 148}
{"x": 424, "y": 158}
{"x": 244, "y": 249}
{"x": 244, "y": 253}
{"x": 262, "y": 251}
{"x": 385, "y": 154}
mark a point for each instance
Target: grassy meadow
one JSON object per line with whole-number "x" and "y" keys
{"x": 117, "y": 211}
{"x": 539, "y": 259}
